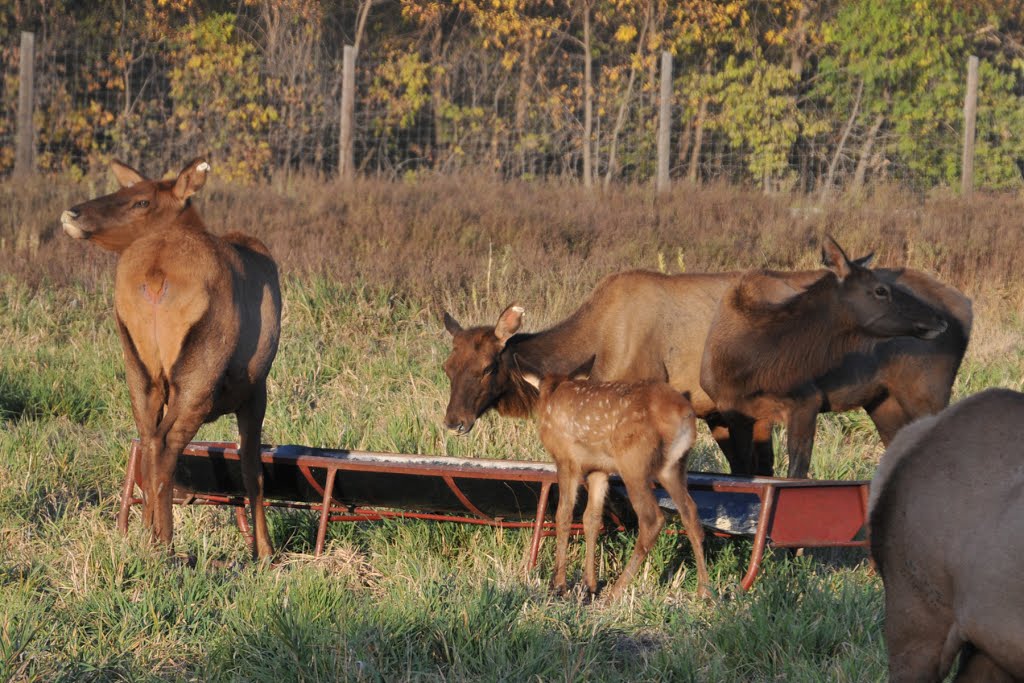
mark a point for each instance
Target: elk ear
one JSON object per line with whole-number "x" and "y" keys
{"x": 126, "y": 175}
{"x": 584, "y": 371}
{"x": 531, "y": 374}
{"x": 451, "y": 324}
{"x": 508, "y": 323}
{"x": 834, "y": 258}
{"x": 191, "y": 179}
{"x": 864, "y": 261}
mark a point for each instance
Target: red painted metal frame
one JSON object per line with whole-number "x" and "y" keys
{"x": 793, "y": 512}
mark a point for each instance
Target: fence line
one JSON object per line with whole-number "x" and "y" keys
{"x": 359, "y": 125}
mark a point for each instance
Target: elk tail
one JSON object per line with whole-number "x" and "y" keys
{"x": 682, "y": 440}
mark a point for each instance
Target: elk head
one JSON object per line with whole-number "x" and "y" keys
{"x": 878, "y": 308}
{"x": 141, "y": 207}
{"x": 475, "y": 369}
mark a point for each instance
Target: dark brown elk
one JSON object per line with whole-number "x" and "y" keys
{"x": 771, "y": 343}
{"x": 199, "y": 321}
{"x": 642, "y": 432}
{"x": 946, "y": 523}
{"x": 642, "y": 325}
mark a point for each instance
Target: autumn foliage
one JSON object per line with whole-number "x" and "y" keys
{"x": 811, "y": 95}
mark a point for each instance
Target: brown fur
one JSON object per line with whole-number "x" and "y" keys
{"x": 947, "y": 533}
{"x": 199, "y": 320}
{"x": 643, "y": 325}
{"x": 765, "y": 354}
{"x": 641, "y": 431}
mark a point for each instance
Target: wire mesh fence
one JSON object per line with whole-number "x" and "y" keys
{"x": 262, "y": 98}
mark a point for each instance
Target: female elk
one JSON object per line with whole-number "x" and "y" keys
{"x": 946, "y": 519}
{"x": 641, "y": 431}
{"x": 199, "y": 321}
{"x": 770, "y": 343}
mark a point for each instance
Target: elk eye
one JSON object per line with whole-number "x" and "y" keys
{"x": 881, "y": 292}
{"x": 489, "y": 370}
{"x": 141, "y": 204}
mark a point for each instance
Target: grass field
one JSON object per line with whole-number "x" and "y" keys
{"x": 367, "y": 271}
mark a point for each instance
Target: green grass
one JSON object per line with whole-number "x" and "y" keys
{"x": 360, "y": 367}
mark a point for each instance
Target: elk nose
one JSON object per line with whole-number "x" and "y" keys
{"x": 457, "y": 427}
{"x": 930, "y": 331}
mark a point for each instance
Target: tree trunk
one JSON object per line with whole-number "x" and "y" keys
{"x": 588, "y": 100}
{"x": 698, "y": 136}
{"x": 865, "y": 153}
{"x": 621, "y": 117}
{"x": 830, "y": 178}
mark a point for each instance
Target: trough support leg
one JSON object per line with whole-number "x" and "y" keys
{"x": 325, "y": 512}
{"x": 128, "y": 490}
{"x": 538, "y": 526}
{"x": 760, "y": 538}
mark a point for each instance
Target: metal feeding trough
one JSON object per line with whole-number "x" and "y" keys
{"x": 351, "y": 486}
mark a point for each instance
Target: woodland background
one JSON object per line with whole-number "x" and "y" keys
{"x": 805, "y": 95}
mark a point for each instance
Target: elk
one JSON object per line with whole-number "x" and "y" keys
{"x": 199, "y": 317}
{"x": 946, "y": 526}
{"x": 640, "y": 431}
{"x": 642, "y": 325}
{"x": 770, "y": 342}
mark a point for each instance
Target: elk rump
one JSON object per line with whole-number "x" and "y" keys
{"x": 946, "y": 523}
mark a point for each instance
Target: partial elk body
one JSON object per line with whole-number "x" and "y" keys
{"x": 641, "y": 431}
{"x": 771, "y": 343}
{"x": 199, "y": 321}
{"x": 946, "y": 523}
{"x": 649, "y": 326}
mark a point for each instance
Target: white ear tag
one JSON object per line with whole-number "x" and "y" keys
{"x": 204, "y": 167}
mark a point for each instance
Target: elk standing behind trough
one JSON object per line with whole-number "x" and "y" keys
{"x": 770, "y": 343}
{"x": 649, "y": 326}
{"x": 640, "y": 431}
{"x": 199, "y": 320}
{"x": 946, "y": 523}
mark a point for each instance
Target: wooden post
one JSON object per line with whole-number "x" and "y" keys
{"x": 664, "y": 121}
{"x": 970, "y": 119}
{"x": 346, "y": 161}
{"x": 24, "y": 159}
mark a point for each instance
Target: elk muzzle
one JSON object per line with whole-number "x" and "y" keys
{"x": 69, "y": 222}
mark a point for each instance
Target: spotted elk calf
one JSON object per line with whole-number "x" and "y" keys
{"x": 640, "y": 431}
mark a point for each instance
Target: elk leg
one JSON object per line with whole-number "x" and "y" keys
{"x": 915, "y": 635}
{"x": 673, "y": 480}
{"x": 650, "y": 519}
{"x": 568, "y": 489}
{"x": 185, "y": 415}
{"x": 250, "y": 429}
{"x": 976, "y": 666}
{"x": 597, "y": 488}
{"x": 801, "y": 425}
{"x": 741, "y": 442}
{"x": 147, "y": 397}
{"x": 889, "y": 417}
{"x": 763, "y": 452}
{"x": 720, "y": 433}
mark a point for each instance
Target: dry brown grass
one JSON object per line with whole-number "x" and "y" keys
{"x": 473, "y": 244}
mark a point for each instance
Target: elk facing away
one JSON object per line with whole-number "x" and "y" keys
{"x": 199, "y": 321}
{"x": 770, "y": 343}
{"x": 946, "y": 523}
{"x": 641, "y": 431}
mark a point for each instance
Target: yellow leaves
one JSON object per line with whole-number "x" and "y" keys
{"x": 625, "y": 33}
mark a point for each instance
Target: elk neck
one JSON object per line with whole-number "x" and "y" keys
{"x": 805, "y": 335}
